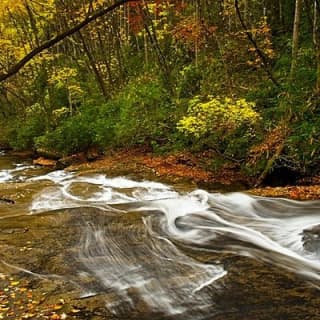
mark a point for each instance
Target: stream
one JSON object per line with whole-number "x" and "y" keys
{"x": 132, "y": 249}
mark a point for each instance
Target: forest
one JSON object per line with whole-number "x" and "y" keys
{"x": 159, "y": 159}
{"x": 240, "y": 78}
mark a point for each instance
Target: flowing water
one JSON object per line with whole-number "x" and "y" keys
{"x": 151, "y": 251}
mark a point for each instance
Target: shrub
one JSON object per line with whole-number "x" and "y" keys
{"x": 24, "y": 132}
{"x": 226, "y": 125}
{"x": 217, "y": 116}
{"x": 91, "y": 126}
{"x": 144, "y": 112}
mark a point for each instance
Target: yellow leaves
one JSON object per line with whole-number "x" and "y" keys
{"x": 57, "y": 307}
{"x": 12, "y": 5}
{"x": 19, "y": 302}
{"x": 18, "y": 30}
{"x": 62, "y": 75}
{"x": 60, "y": 113}
{"x": 75, "y": 89}
{"x": 262, "y": 35}
{"x": 42, "y": 8}
{"x": 66, "y": 77}
{"x": 217, "y": 115}
{"x": 191, "y": 125}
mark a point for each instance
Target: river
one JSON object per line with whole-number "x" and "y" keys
{"x": 133, "y": 249}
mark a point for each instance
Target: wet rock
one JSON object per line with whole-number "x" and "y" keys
{"x": 70, "y": 160}
{"x": 45, "y": 162}
{"x": 49, "y": 154}
{"x": 22, "y": 154}
{"x": 14, "y": 231}
{"x": 6, "y": 200}
{"x": 311, "y": 239}
{"x": 4, "y": 146}
{"x": 92, "y": 154}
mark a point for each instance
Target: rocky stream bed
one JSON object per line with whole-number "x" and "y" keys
{"x": 90, "y": 244}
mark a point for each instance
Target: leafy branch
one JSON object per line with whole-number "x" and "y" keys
{"x": 259, "y": 52}
{"x": 50, "y": 43}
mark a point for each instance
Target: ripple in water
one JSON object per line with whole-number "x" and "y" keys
{"x": 132, "y": 249}
{"x": 15, "y": 172}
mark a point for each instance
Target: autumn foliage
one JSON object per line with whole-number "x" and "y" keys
{"x": 168, "y": 75}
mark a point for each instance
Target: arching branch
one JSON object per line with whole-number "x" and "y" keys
{"x": 48, "y": 44}
{"x": 262, "y": 56}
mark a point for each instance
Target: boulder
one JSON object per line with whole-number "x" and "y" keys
{"x": 41, "y": 161}
{"x": 69, "y": 160}
{"x": 92, "y": 154}
{"x": 311, "y": 239}
{"x": 49, "y": 154}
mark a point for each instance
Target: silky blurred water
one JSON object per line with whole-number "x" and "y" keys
{"x": 129, "y": 237}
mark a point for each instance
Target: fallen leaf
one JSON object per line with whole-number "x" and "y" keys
{"x": 57, "y": 307}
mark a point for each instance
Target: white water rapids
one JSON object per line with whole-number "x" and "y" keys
{"x": 145, "y": 258}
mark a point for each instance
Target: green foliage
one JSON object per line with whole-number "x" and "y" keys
{"x": 138, "y": 79}
{"x": 91, "y": 126}
{"x": 303, "y": 145}
{"x": 24, "y": 132}
{"x": 188, "y": 82}
{"x": 144, "y": 112}
{"x": 217, "y": 116}
{"x": 140, "y": 114}
{"x": 72, "y": 136}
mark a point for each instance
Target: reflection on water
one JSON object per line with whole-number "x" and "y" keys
{"x": 125, "y": 238}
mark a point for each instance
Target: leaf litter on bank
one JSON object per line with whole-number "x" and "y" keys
{"x": 291, "y": 192}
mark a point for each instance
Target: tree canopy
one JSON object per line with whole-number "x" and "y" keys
{"x": 236, "y": 76}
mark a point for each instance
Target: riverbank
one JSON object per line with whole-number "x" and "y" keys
{"x": 193, "y": 168}
{"x": 174, "y": 168}
{"x": 183, "y": 167}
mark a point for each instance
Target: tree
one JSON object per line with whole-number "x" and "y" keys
{"x": 316, "y": 41}
{"x": 295, "y": 37}
{"x": 50, "y": 43}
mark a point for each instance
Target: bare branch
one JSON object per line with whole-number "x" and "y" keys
{"x": 254, "y": 43}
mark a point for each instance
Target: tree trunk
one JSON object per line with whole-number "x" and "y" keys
{"x": 295, "y": 38}
{"x": 259, "y": 52}
{"x": 246, "y": 11}
{"x": 94, "y": 68}
{"x": 316, "y": 42}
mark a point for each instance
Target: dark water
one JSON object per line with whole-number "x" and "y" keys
{"x": 143, "y": 250}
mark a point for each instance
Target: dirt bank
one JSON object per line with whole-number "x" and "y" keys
{"x": 195, "y": 169}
